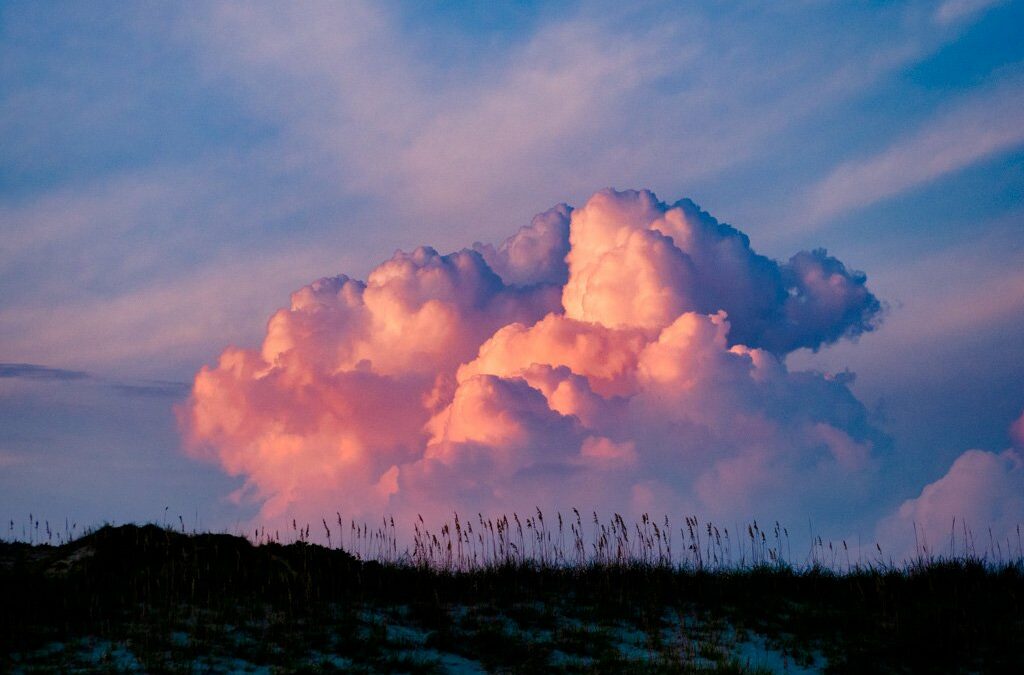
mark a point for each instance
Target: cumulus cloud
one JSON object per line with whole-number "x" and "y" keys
{"x": 977, "y": 507}
{"x": 628, "y": 354}
{"x": 535, "y": 254}
{"x": 1017, "y": 432}
{"x": 635, "y": 261}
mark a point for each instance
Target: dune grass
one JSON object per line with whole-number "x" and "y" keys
{"x": 528, "y": 596}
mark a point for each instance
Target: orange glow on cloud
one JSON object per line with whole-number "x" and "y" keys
{"x": 623, "y": 353}
{"x": 1017, "y": 432}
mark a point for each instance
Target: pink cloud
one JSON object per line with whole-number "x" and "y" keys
{"x": 1017, "y": 432}
{"x": 983, "y": 492}
{"x": 624, "y": 353}
{"x": 636, "y": 261}
{"x": 977, "y": 507}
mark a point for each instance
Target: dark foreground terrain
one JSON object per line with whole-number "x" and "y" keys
{"x": 147, "y": 599}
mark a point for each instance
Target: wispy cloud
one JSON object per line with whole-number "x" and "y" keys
{"x": 131, "y": 388}
{"x": 977, "y": 127}
{"x": 951, "y": 11}
{"x": 167, "y": 324}
{"x": 380, "y": 140}
{"x": 32, "y": 371}
{"x": 592, "y": 99}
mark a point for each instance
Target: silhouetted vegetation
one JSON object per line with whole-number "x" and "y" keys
{"x": 153, "y": 599}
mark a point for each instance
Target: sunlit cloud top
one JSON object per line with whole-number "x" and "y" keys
{"x": 626, "y": 358}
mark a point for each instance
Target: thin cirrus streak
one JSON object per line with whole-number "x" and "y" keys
{"x": 628, "y": 354}
{"x": 955, "y": 10}
{"x": 979, "y": 127}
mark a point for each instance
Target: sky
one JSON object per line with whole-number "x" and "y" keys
{"x": 170, "y": 175}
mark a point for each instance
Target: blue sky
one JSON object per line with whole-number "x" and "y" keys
{"x": 170, "y": 173}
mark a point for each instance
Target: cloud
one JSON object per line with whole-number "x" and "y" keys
{"x": 89, "y": 449}
{"x": 626, "y": 355}
{"x": 983, "y": 491}
{"x": 535, "y": 254}
{"x": 271, "y": 122}
{"x": 978, "y": 126}
{"x": 952, "y": 11}
{"x": 152, "y": 329}
{"x": 1017, "y": 432}
{"x": 588, "y": 96}
{"x": 32, "y": 371}
{"x": 977, "y": 507}
{"x": 130, "y": 388}
{"x": 638, "y": 262}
